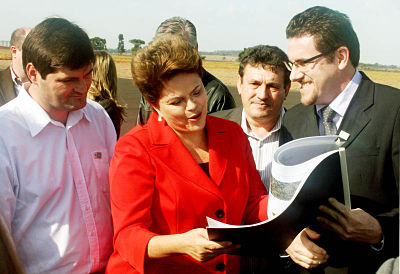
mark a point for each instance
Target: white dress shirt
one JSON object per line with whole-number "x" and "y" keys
{"x": 263, "y": 148}
{"x": 340, "y": 103}
{"x": 54, "y": 192}
{"x": 16, "y": 81}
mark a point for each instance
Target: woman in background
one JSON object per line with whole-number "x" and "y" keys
{"x": 104, "y": 88}
{"x": 168, "y": 175}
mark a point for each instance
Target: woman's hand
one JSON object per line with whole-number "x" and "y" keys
{"x": 200, "y": 248}
{"x": 194, "y": 243}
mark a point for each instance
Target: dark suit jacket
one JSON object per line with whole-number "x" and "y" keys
{"x": 218, "y": 98}
{"x": 218, "y": 95}
{"x": 235, "y": 115}
{"x": 373, "y": 122}
{"x": 7, "y": 92}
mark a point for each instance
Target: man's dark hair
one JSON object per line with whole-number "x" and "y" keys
{"x": 57, "y": 43}
{"x": 264, "y": 55}
{"x": 331, "y": 29}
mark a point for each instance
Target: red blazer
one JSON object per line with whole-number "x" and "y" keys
{"x": 157, "y": 188}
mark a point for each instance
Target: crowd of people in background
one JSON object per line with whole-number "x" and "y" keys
{"x": 77, "y": 197}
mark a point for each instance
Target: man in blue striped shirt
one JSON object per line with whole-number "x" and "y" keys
{"x": 263, "y": 84}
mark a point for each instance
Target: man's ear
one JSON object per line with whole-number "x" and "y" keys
{"x": 13, "y": 51}
{"x": 155, "y": 106}
{"x": 343, "y": 55}
{"x": 239, "y": 84}
{"x": 32, "y": 73}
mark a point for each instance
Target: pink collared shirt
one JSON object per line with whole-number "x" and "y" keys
{"x": 54, "y": 192}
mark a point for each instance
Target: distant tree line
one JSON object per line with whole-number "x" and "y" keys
{"x": 221, "y": 52}
{"x": 121, "y": 44}
{"x": 100, "y": 44}
{"x": 378, "y": 67}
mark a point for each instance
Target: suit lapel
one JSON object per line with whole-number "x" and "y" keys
{"x": 356, "y": 116}
{"x": 236, "y": 115}
{"x": 301, "y": 121}
{"x": 7, "y": 86}
{"x": 310, "y": 124}
{"x": 219, "y": 147}
{"x": 169, "y": 149}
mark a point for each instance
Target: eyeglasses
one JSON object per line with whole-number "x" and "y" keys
{"x": 301, "y": 63}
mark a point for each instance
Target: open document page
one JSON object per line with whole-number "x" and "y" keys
{"x": 305, "y": 173}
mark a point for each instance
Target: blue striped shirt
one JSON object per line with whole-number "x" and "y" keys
{"x": 263, "y": 148}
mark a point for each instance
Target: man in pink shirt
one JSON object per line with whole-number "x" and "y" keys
{"x": 55, "y": 149}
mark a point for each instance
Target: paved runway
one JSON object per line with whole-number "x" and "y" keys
{"x": 130, "y": 95}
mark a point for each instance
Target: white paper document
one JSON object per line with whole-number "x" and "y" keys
{"x": 291, "y": 167}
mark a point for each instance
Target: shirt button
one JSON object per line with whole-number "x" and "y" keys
{"x": 220, "y": 267}
{"x": 219, "y": 213}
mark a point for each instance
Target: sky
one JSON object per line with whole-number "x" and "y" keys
{"x": 220, "y": 24}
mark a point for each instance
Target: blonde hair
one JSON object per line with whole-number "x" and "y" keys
{"x": 163, "y": 58}
{"x": 104, "y": 88}
{"x": 104, "y": 78}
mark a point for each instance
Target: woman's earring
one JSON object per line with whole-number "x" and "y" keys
{"x": 159, "y": 117}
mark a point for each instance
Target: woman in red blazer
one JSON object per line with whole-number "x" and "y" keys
{"x": 167, "y": 176}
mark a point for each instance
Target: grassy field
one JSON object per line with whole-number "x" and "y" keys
{"x": 226, "y": 71}
{"x": 5, "y": 54}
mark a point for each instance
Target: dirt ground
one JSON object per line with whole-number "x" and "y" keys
{"x": 129, "y": 94}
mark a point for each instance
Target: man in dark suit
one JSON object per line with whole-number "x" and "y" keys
{"x": 218, "y": 95}
{"x": 338, "y": 99}
{"x": 11, "y": 79}
{"x": 263, "y": 84}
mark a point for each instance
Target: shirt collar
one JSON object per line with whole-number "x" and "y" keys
{"x": 14, "y": 77}
{"x": 342, "y": 101}
{"x": 37, "y": 118}
{"x": 248, "y": 131}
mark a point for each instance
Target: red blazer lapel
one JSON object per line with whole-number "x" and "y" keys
{"x": 169, "y": 149}
{"x": 219, "y": 147}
